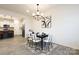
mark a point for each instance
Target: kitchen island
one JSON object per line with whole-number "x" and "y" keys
{"x": 6, "y": 34}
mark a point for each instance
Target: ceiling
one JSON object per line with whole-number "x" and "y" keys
{"x": 21, "y": 8}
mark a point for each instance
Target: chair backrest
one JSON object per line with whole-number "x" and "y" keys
{"x": 35, "y": 37}
{"x": 49, "y": 38}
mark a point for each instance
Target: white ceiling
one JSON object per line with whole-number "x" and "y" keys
{"x": 21, "y": 8}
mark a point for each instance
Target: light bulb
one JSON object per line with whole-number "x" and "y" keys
{"x": 37, "y": 13}
{"x": 33, "y": 14}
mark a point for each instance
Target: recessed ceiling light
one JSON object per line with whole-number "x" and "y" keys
{"x": 27, "y": 11}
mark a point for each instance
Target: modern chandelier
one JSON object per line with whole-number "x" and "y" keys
{"x": 38, "y": 15}
{"x": 46, "y": 20}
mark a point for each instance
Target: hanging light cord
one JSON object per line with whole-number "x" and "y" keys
{"x": 37, "y": 8}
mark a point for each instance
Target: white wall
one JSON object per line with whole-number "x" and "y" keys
{"x": 65, "y": 28}
{"x": 28, "y": 25}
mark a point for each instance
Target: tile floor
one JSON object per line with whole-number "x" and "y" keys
{"x": 17, "y": 46}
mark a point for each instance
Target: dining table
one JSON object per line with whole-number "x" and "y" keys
{"x": 42, "y": 36}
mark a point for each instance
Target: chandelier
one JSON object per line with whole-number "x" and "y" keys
{"x": 38, "y": 15}
{"x": 46, "y": 20}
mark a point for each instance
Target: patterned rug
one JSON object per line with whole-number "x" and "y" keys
{"x": 54, "y": 50}
{"x": 38, "y": 51}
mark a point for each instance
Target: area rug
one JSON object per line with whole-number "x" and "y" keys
{"x": 39, "y": 51}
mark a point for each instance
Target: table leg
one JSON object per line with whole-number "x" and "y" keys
{"x": 41, "y": 44}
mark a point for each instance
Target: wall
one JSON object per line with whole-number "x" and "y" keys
{"x": 65, "y": 28}
{"x": 28, "y": 25}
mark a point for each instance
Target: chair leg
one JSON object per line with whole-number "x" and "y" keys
{"x": 29, "y": 43}
{"x": 51, "y": 44}
{"x": 35, "y": 46}
{"x": 48, "y": 46}
{"x": 32, "y": 44}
